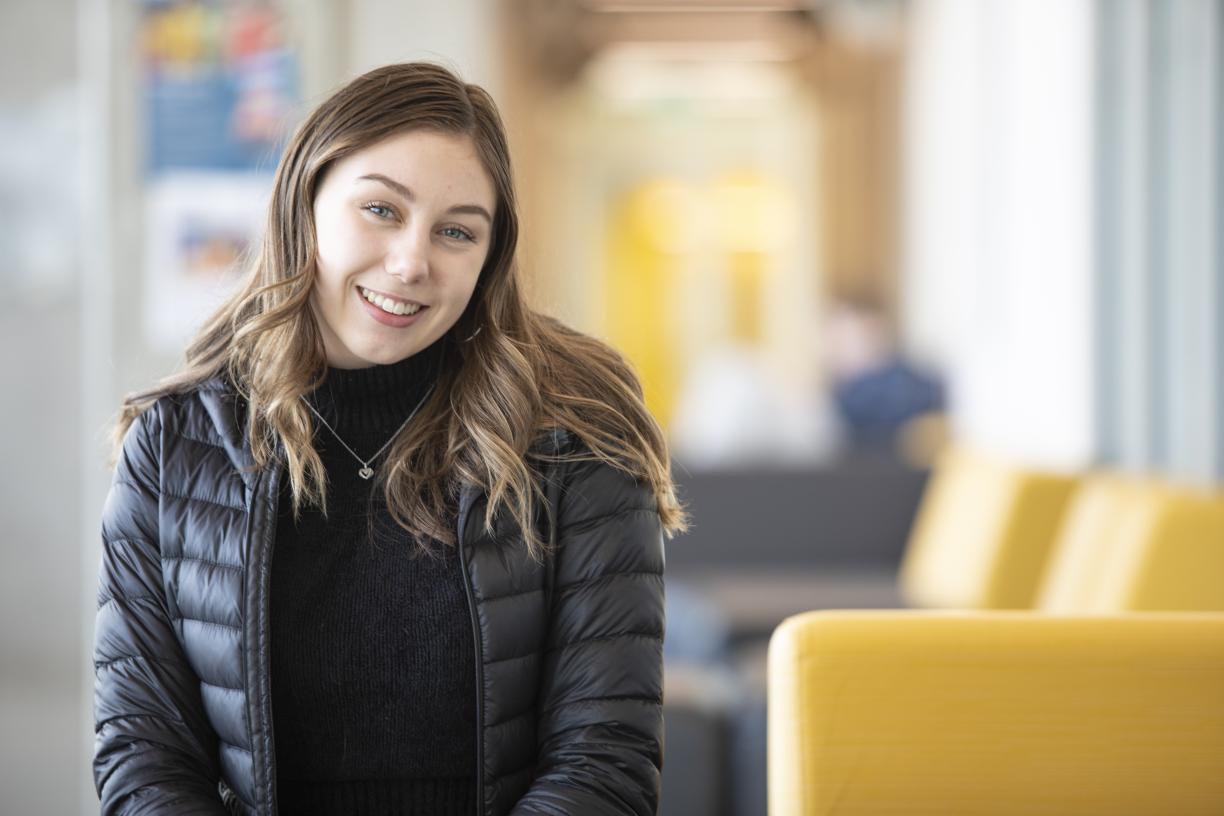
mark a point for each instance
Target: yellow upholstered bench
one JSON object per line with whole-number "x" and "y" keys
{"x": 1132, "y": 544}
{"x": 995, "y": 713}
{"x": 982, "y": 534}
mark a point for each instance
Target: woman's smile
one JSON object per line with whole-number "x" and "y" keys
{"x": 386, "y": 311}
{"x": 390, "y": 303}
{"x": 390, "y": 311}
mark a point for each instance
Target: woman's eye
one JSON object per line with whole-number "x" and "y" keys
{"x": 458, "y": 234}
{"x": 380, "y": 210}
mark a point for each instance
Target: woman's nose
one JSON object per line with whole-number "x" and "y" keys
{"x": 408, "y": 255}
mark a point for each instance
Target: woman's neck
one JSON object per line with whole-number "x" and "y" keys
{"x": 379, "y": 397}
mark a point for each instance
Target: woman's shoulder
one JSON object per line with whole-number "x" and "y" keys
{"x": 194, "y": 429}
{"x": 209, "y": 410}
{"x": 189, "y": 398}
{"x": 581, "y": 476}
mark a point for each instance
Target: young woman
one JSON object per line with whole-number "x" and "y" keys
{"x": 391, "y": 543}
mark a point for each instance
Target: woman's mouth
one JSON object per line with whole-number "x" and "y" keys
{"x": 388, "y": 310}
{"x": 388, "y": 304}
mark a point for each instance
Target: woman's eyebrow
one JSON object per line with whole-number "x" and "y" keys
{"x": 468, "y": 209}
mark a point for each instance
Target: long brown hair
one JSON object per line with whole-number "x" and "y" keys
{"x": 516, "y": 375}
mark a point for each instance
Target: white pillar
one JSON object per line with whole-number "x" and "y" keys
{"x": 997, "y": 265}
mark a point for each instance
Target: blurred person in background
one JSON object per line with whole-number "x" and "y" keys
{"x": 878, "y": 394}
{"x": 386, "y": 508}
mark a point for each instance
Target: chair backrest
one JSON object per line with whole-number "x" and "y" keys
{"x": 982, "y": 534}
{"x": 950, "y": 713}
{"x": 1136, "y": 544}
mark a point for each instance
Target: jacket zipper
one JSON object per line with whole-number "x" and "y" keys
{"x": 261, "y": 706}
{"x": 465, "y": 507}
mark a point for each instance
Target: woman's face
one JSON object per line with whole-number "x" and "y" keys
{"x": 403, "y": 229}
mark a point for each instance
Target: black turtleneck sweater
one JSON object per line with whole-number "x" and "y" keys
{"x": 373, "y": 667}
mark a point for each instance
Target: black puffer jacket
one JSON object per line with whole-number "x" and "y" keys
{"x": 569, "y": 652}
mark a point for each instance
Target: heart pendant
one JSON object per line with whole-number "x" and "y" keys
{"x": 366, "y": 472}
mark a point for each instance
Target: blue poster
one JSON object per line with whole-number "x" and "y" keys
{"x": 221, "y": 85}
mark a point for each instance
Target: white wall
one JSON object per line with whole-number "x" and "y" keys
{"x": 40, "y": 725}
{"x": 457, "y": 33}
{"x": 997, "y": 264}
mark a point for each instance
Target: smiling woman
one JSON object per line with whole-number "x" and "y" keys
{"x": 378, "y": 390}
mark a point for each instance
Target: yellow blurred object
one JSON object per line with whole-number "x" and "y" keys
{"x": 751, "y": 214}
{"x": 996, "y": 713}
{"x": 1132, "y": 544}
{"x": 648, "y": 234}
{"x": 923, "y": 439}
{"x": 730, "y": 232}
{"x": 664, "y": 215}
{"x": 750, "y": 218}
{"x": 982, "y": 534}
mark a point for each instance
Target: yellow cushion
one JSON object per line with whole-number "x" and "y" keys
{"x": 996, "y": 713}
{"x": 1106, "y": 515}
{"x": 1134, "y": 544}
{"x": 1181, "y": 567}
{"x": 982, "y": 534}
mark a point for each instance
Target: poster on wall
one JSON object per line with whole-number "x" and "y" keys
{"x": 199, "y": 231}
{"x": 221, "y": 84}
{"x": 220, "y": 96}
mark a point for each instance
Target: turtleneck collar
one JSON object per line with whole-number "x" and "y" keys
{"x": 380, "y": 397}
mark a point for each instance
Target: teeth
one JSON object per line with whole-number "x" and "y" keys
{"x": 388, "y": 305}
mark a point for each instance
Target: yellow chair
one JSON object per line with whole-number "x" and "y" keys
{"x": 1132, "y": 544}
{"x": 998, "y": 713}
{"x": 982, "y": 534}
{"x": 1062, "y": 711}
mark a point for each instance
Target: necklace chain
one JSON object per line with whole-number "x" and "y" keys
{"x": 366, "y": 471}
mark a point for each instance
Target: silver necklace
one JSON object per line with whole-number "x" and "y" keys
{"x": 366, "y": 471}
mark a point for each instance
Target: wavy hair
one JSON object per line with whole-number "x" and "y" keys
{"x": 515, "y": 377}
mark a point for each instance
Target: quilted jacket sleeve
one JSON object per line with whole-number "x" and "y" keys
{"x": 601, "y": 725}
{"x": 154, "y": 751}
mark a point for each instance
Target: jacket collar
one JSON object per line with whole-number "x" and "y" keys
{"x": 227, "y": 410}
